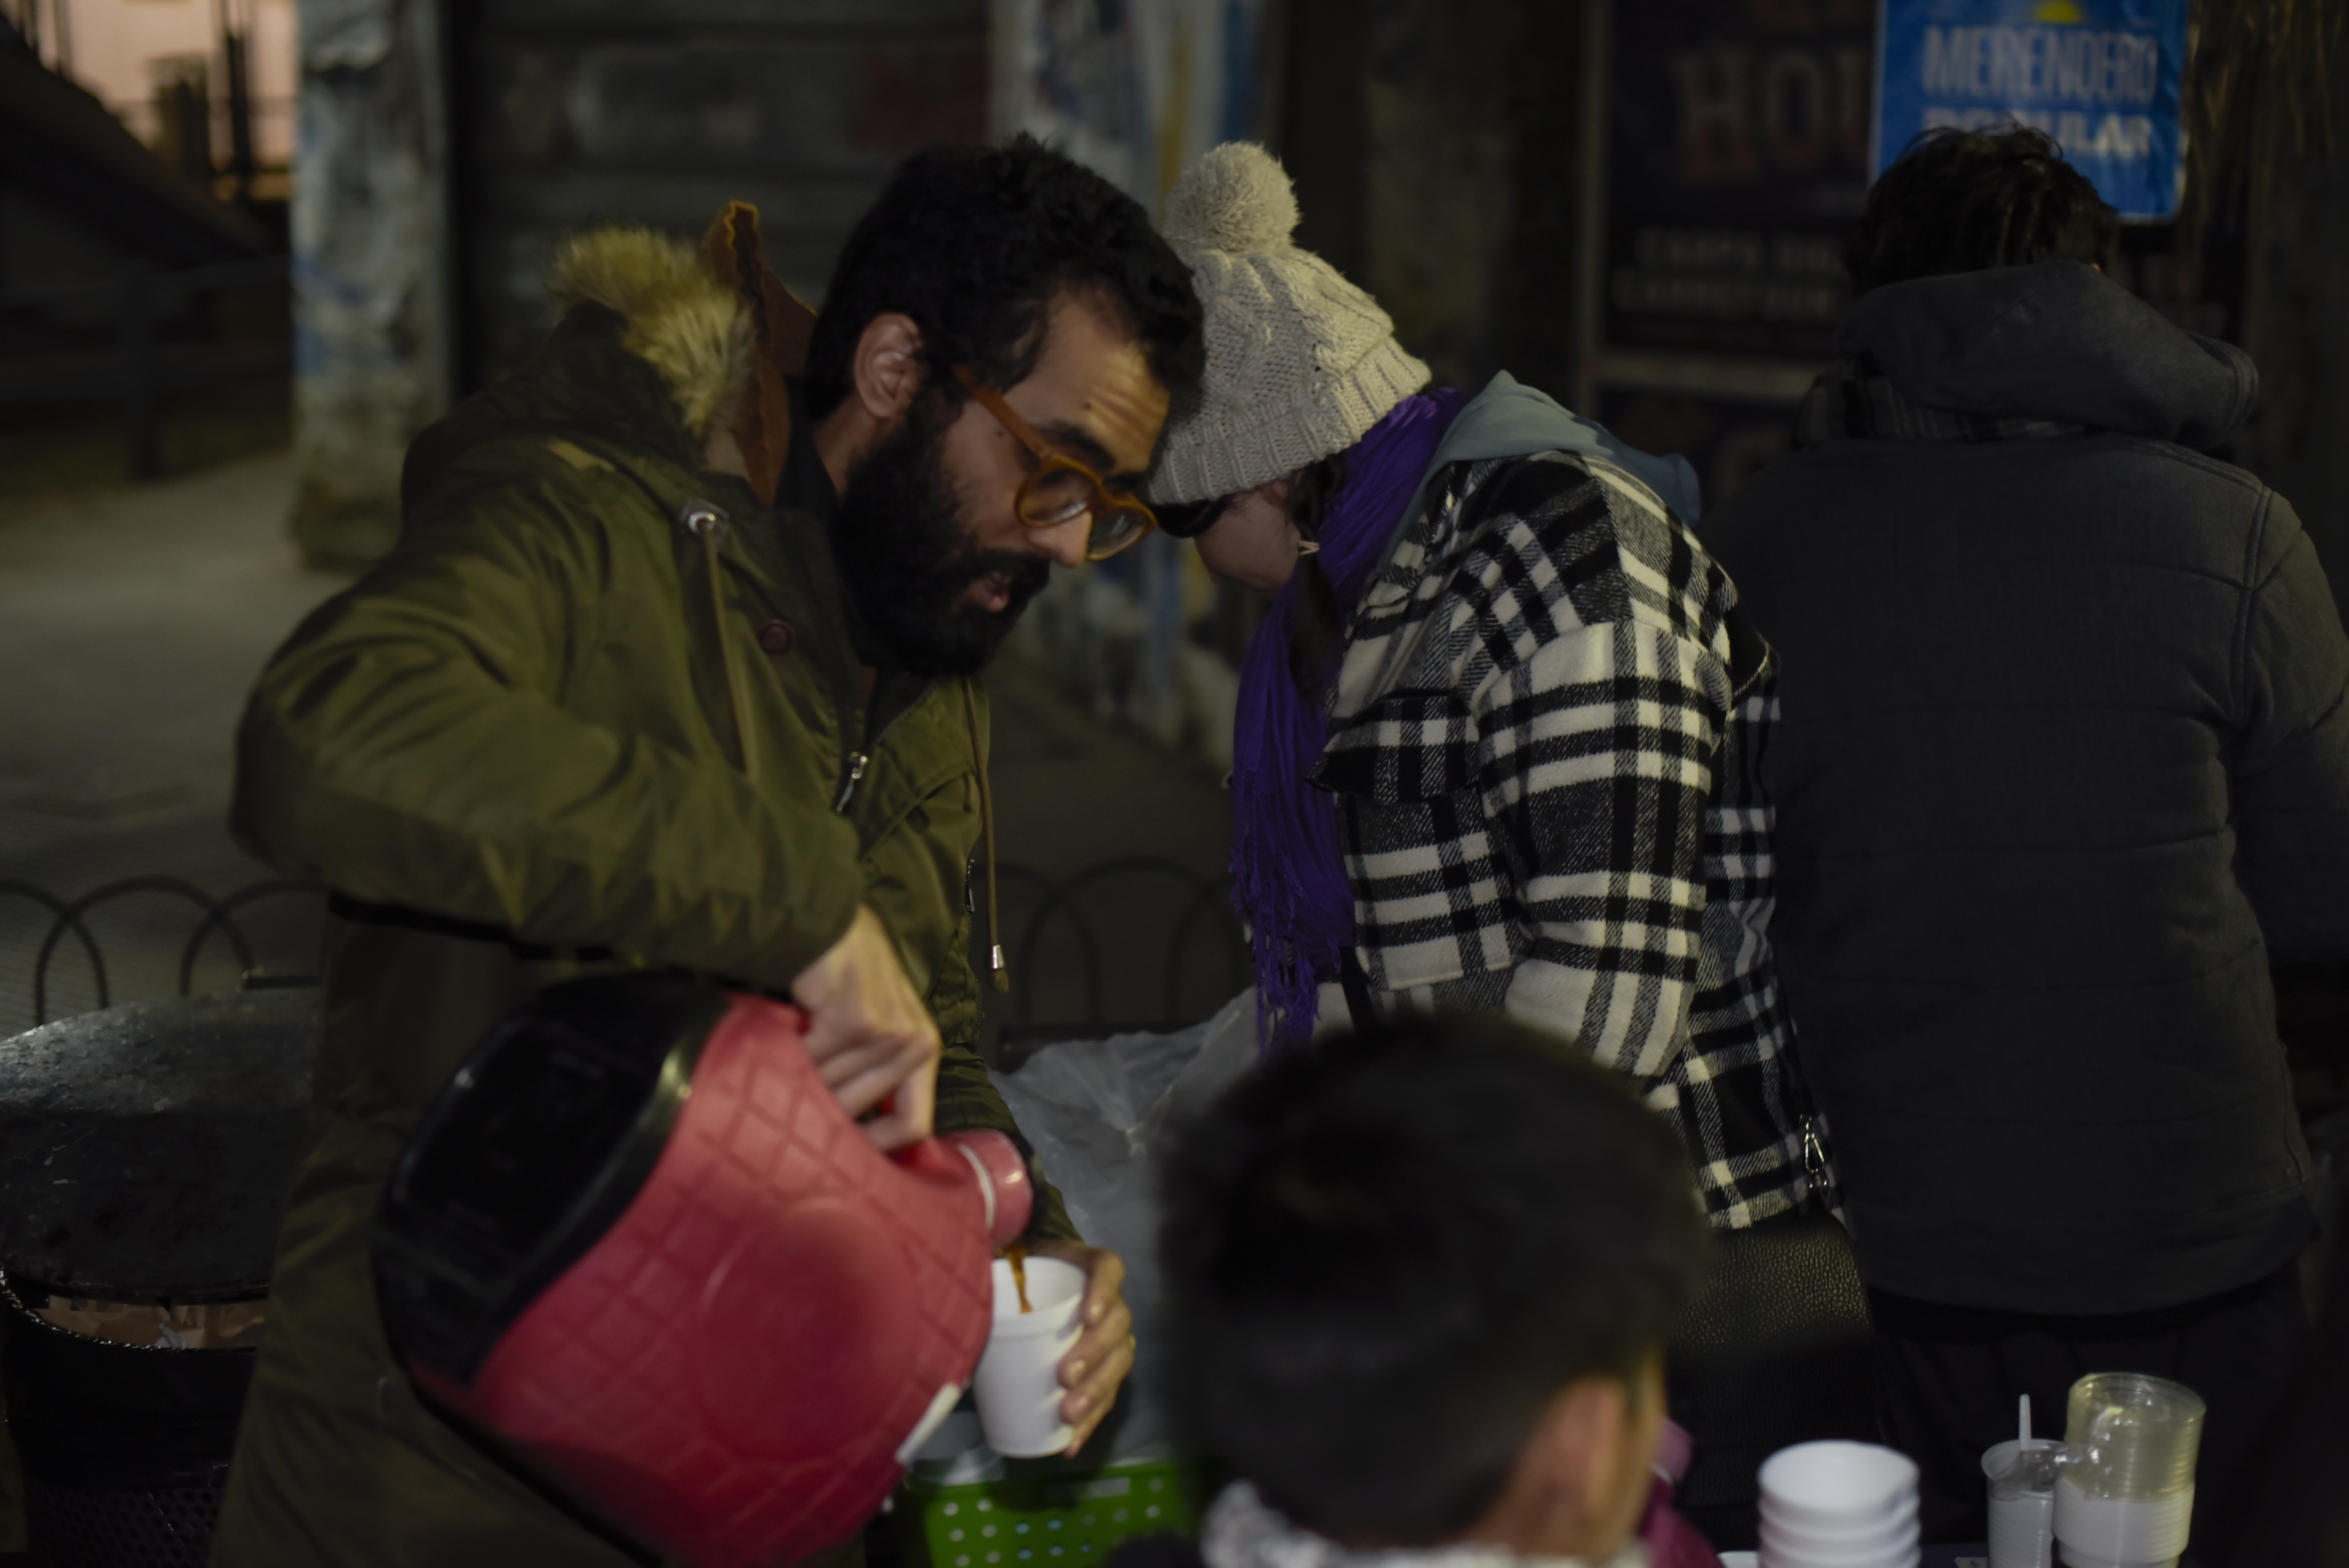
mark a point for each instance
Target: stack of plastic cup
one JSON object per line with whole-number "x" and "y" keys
{"x": 1838, "y": 1505}
{"x": 2128, "y": 1498}
{"x": 2022, "y": 1520}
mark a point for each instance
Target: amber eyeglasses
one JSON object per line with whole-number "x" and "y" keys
{"x": 1060, "y": 489}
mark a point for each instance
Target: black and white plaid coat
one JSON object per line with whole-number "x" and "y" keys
{"x": 1545, "y": 745}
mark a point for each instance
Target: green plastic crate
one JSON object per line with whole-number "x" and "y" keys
{"x": 1070, "y": 1519}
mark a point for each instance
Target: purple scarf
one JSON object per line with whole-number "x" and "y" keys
{"x": 1289, "y": 877}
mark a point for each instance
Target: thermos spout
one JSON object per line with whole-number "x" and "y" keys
{"x": 1005, "y": 1182}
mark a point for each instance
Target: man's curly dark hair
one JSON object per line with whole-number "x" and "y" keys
{"x": 976, "y": 243}
{"x": 1965, "y": 200}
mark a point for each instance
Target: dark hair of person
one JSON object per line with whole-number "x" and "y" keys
{"x": 1316, "y": 638}
{"x": 976, "y": 244}
{"x": 1384, "y": 1256}
{"x": 1966, "y": 200}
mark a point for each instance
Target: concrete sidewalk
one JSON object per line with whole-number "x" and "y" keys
{"x": 133, "y": 620}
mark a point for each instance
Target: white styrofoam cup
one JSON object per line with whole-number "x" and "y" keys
{"x": 2022, "y": 1526}
{"x": 1018, "y": 1384}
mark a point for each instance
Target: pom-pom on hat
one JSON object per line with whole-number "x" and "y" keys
{"x": 1301, "y": 362}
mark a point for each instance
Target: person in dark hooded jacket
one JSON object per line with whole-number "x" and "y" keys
{"x": 2063, "y": 768}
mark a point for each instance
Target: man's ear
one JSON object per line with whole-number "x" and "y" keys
{"x": 1568, "y": 1475}
{"x": 1580, "y": 1441}
{"x": 885, "y": 372}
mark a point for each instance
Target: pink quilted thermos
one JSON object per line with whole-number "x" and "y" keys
{"x": 636, "y": 1245}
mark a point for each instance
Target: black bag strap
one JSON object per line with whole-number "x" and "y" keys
{"x": 1356, "y": 984}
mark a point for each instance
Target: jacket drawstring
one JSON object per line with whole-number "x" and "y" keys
{"x": 1001, "y": 974}
{"x": 709, "y": 522}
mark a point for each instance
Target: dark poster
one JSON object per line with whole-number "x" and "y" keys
{"x": 1739, "y": 158}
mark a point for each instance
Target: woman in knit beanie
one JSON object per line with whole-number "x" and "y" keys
{"x": 1308, "y": 400}
{"x": 1440, "y": 796}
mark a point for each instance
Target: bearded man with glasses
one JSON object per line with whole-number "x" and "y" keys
{"x": 672, "y": 668}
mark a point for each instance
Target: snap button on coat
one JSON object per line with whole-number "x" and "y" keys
{"x": 777, "y": 637}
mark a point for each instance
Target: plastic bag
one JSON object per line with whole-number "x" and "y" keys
{"x": 1093, "y": 1110}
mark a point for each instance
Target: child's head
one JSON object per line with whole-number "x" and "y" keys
{"x": 1420, "y": 1280}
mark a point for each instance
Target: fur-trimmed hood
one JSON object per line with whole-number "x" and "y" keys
{"x": 660, "y": 343}
{"x": 682, "y": 319}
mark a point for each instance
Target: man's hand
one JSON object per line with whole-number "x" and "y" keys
{"x": 1103, "y": 1354}
{"x": 872, "y": 1039}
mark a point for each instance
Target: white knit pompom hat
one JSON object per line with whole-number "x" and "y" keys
{"x": 1301, "y": 362}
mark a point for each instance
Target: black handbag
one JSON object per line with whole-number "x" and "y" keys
{"x": 1776, "y": 1350}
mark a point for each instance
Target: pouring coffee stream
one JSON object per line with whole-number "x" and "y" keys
{"x": 1016, "y": 1256}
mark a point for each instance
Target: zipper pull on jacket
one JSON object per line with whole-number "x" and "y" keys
{"x": 708, "y": 523}
{"x": 848, "y": 783}
{"x": 999, "y": 971}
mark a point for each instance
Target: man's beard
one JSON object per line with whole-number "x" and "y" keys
{"x": 908, "y": 561}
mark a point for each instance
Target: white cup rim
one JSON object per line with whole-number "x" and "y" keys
{"x": 2006, "y": 1450}
{"x": 1836, "y": 1480}
{"x": 1908, "y": 1557}
{"x": 1884, "y": 1529}
{"x": 1016, "y": 1382}
{"x": 1865, "y": 1551}
{"x": 1846, "y": 1527}
{"x": 1045, "y": 1276}
{"x": 2089, "y": 1560}
{"x": 1842, "y": 1546}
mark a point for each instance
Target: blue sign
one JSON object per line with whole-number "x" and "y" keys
{"x": 2101, "y": 77}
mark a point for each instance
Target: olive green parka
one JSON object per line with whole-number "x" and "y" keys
{"x": 599, "y": 709}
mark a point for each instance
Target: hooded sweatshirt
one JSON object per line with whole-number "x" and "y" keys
{"x": 2061, "y": 766}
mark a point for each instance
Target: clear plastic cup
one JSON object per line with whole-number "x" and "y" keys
{"x": 2022, "y": 1531}
{"x": 2139, "y": 1435}
{"x": 1018, "y": 1384}
{"x": 1999, "y": 1458}
{"x": 2129, "y": 1497}
{"x": 2121, "y": 1532}
{"x": 2021, "y": 1521}
{"x": 1838, "y": 1486}
{"x": 2023, "y": 1537}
